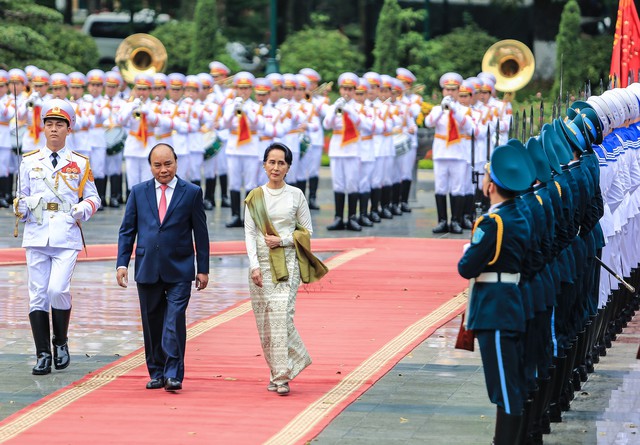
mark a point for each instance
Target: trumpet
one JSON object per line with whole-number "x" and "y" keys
{"x": 238, "y": 105}
{"x": 225, "y": 81}
{"x": 416, "y": 89}
{"x": 136, "y": 110}
{"x": 321, "y": 89}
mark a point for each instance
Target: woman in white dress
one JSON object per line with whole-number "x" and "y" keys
{"x": 272, "y": 213}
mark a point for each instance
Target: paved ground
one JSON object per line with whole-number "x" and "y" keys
{"x": 436, "y": 394}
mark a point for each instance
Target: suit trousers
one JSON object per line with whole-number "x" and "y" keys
{"x": 163, "y": 308}
{"x": 50, "y": 270}
{"x": 502, "y": 359}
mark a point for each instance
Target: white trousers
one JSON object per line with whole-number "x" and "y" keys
{"x": 366, "y": 172}
{"x": 138, "y": 170}
{"x": 243, "y": 171}
{"x": 184, "y": 163}
{"x": 449, "y": 176}
{"x": 98, "y": 160}
{"x": 406, "y": 163}
{"x": 5, "y": 161}
{"x": 381, "y": 176}
{"x": 310, "y": 163}
{"x": 196, "y": 159}
{"x": 113, "y": 164}
{"x": 50, "y": 270}
{"x": 345, "y": 173}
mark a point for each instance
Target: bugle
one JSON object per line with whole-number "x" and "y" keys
{"x": 321, "y": 89}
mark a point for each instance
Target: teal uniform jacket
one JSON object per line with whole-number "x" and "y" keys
{"x": 546, "y": 244}
{"x": 499, "y": 243}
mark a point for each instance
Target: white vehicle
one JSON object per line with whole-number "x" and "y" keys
{"x": 109, "y": 29}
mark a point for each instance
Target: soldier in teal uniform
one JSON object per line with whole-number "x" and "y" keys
{"x": 493, "y": 262}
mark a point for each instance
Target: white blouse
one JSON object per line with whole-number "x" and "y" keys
{"x": 285, "y": 207}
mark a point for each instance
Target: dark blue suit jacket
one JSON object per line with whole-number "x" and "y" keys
{"x": 165, "y": 251}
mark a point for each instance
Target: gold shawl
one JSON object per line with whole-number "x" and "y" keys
{"x": 311, "y": 268}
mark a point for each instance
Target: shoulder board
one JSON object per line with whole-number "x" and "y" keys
{"x": 81, "y": 155}
{"x": 31, "y": 153}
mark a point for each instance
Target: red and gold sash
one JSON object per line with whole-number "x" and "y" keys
{"x": 350, "y": 132}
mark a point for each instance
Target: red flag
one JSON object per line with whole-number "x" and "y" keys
{"x": 453, "y": 134}
{"x": 625, "y": 57}
{"x": 244, "y": 132}
{"x": 143, "y": 131}
{"x": 36, "y": 125}
{"x": 350, "y": 132}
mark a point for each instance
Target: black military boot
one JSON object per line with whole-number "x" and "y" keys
{"x": 101, "y": 187}
{"x": 404, "y": 196}
{"x": 374, "y": 215}
{"x": 456, "y": 214}
{"x": 60, "y": 319}
{"x": 338, "y": 222}
{"x": 386, "y": 203}
{"x": 441, "y": 207}
{"x": 224, "y": 199}
{"x": 396, "y": 191}
{"x": 236, "y": 221}
{"x": 352, "y": 223}
{"x": 5, "y": 192}
{"x": 467, "y": 217}
{"x": 313, "y": 190}
{"x": 209, "y": 193}
{"x": 507, "y": 428}
{"x": 364, "y": 220}
{"x": 41, "y": 335}
{"x": 116, "y": 190}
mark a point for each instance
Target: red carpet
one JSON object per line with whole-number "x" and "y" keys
{"x": 382, "y": 297}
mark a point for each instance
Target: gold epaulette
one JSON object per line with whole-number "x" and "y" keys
{"x": 31, "y": 153}
{"x": 500, "y": 231}
{"x": 80, "y": 154}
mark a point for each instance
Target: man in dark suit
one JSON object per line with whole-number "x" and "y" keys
{"x": 166, "y": 214}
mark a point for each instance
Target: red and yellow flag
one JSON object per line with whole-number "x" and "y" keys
{"x": 244, "y": 132}
{"x": 453, "y": 134}
{"x": 625, "y": 58}
{"x": 350, "y": 132}
{"x": 142, "y": 133}
{"x": 35, "y": 129}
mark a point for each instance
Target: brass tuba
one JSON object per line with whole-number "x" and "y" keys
{"x": 140, "y": 54}
{"x": 512, "y": 63}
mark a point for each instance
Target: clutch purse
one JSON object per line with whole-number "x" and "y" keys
{"x": 466, "y": 337}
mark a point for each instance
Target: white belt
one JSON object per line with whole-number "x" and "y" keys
{"x": 498, "y": 277}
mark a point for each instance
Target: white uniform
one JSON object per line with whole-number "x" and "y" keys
{"x": 52, "y": 237}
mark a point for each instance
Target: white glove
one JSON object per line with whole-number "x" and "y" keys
{"x": 340, "y": 103}
{"x": 136, "y": 102}
{"x": 77, "y": 212}
{"x": 143, "y": 109}
{"x": 237, "y": 104}
{"x": 88, "y": 98}
{"x": 446, "y": 102}
{"x": 20, "y": 207}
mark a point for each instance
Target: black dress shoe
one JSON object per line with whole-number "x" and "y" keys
{"x": 235, "y": 222}
{"x": 155, "y": 384}
{"x": 442, "y": 227}
{"x": 364, "y": 221}
{"x": 467, "y": 224}
{"x": 337, "y": 224}
{"x": 352, "y": 224}
{"x": 313, "y": 204}
{"x": 386, "y": 214}
{"x": 43, "y": 365}
{"x": 4, "y": 203}
{"x": 61, "y": 357}
{"x": 172, "y": 384}
{"x": 114, "y": 203}
{"x": 455, "y": 227}
{"x": 395, "y": 209}
{"x": 374, "y": 217}
{"x": 224, "y": 202}
{"x": 208, "y": 205}
{"x": 405, "y": 207}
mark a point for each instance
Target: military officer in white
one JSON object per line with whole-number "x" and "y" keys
{"x": 56, "y": 193}
{"x": 449, "y": 158}
{"x": 7, "y": 112}
{"x": 29, "y": 110}
{"x": 99, "y": 112}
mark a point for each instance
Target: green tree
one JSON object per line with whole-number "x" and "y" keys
{"x": 328, "y": 51}
{"x": 207, "y": 41}
{"x": 176, "y": 36}
{"x": 467, "y": 44}
{"x": 569, "y": 72}
{"x": 385, "y": 51}
{"x": 34, "y": 35}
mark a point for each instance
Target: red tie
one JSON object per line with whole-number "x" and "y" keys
{"x": 162, "y": 208}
